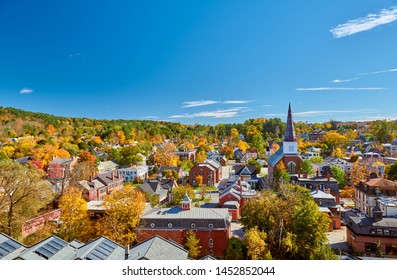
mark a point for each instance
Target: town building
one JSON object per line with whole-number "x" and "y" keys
{"x": 211, "y": 226}
{"x": 134, "y": 173}
{"x": 368, "y": 191}
{"x": 287, "y": 153}
{"x": 97, "y": 188}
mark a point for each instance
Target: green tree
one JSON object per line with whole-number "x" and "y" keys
{"x": 192, "y": 244}
{"x": 22, "y": 194}
{"x": 340, "y": 176}
{"x": 280, "y": 175}
{"x": 317, "y": 159}
{"x": 391, "y": 171}
{"x": 289, "y": 217}
{"x": 179, "y": 192}
{"x": 235, "y": 249}
{"x": 257, "y": 165}
{"x": 307, "y": 167}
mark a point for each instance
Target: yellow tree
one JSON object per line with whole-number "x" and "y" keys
{"x": 192, "y": 244}
{"x": 257, "y": 248}
{"x": 61, "y": 153}
{"x": 243, "y": 146}
{"x": 234, "y": 137}
{"x": 50, "y": 129}
{"x": 228, "y": 151}
{"x": 199, "y": 180}
{"x": 166, "y": 155}
{"x": 201, "y": 156}
{"x": 122, "y": 211}
{"x": 75, "y": 217}
{"x": 334, "y": 140}
{"x": 338, "y": 153}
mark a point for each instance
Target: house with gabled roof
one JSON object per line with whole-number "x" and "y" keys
{"x": 158, "y": 248}
{"x": 154, "y": 187}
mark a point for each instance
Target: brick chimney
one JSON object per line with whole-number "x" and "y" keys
{"x": 112, "y": 175}
{"x": 328, "y": 177}
{"x": 316, "y": 188}
{"x": 317, "y": 173}
{"x": 304, "y": 175}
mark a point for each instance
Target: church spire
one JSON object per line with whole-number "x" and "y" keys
{"x": 290, "y": 130}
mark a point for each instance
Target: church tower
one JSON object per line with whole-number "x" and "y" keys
{"x": 290, "y": 144}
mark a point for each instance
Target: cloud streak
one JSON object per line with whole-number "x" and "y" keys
{"x": 369, "y": 22}
{"x": 189, "y": 104}
{"x": 226, "y": 113}
{"x": 337, "y": 88}
{"x": 379, "y": 72}
{"x": 26, "y": 91}
{"x": 343, "y": 81}
{"x": 237, "y": 101}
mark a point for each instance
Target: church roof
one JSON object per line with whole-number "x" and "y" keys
{"x": 276, "y": 157}
{"x": 290, "y": 130}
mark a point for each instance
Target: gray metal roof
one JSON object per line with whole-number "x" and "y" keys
{"x": 276, "y": 157}
{"x": 101, "y": 248}
{"x": 52, "y": 248}
{"x": 158, "y": 248}
{"x": 9, "y": 247}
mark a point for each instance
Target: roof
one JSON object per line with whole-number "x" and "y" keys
{"x": 9, "y": 247}
{"x": 153, "y": 187}
{"x": 52, "y": 248}
{"x": 94, "y": 184}
{"x": 380, "y": 183}
{"x": 61, "y": 160}
{"x": 361, "y": 224}
{"x": 106, "y": 178}
{"x": 25, "y": 160}
{"x": 186, "y": 198}
{"x": 231, "y": 204}
{"x": 207, "y": 218}
{"x": 101, "y": 248}
{"x": 208, "y": 258}
{"x": 214, "y": 163}
{"x": 276, "y": 157}
{"x": 105, "y": 166}
{"x": 158, "y": 248}
{"x": 238, "y": 169}
{"x": 289, "y": 135}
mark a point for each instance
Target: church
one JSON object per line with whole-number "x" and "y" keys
{"x": 288, "y": 152}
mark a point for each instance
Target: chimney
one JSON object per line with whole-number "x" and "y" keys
{"x": 239, "y": 182}
{"x": 126, "y": 252}
{"x": 299, "y": 174}
{"x": 316, "y": 188}
{"x": 317, "y": 173}
{"x": 304, "y": 175}
{"x": 118, "y": 174}
{"x": 328, "y": 177}
{"x": 130, "y": 164}
{"x": 112, "y": 175}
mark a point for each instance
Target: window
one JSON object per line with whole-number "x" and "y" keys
{"x": 193, "y": 225}
{"x": 210, "y": 225}
{"x": 291, "y": 167}
{"x": 211, "y": 243}
{"x": 170, "y": 225}
{"x": 391, "y": 249}
{"x": 152, "y": 225}
{"x": 370, "y": 247}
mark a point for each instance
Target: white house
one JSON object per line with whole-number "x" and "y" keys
{"x": 133, "y": 173}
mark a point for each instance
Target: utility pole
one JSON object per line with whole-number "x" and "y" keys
{"x": 281, "y": 234}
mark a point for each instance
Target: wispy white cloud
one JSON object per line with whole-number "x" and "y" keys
{"x": 237, "y": 101}
{"x": 26, "y": 91}
{"x": 75, "y": 55}
{"x": 354, "y": 26}
{"x": 189, "y": 104}
{"x": 267, "y": 105}
{"x": 150, "y": 117}
{"x": 378, "y": 72}
{"x": 343, "y": 81}
{"x": 337, "y": 88}
{"x": 226, "y": 113}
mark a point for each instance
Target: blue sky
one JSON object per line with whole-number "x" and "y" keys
{"x": 200, "y": 61}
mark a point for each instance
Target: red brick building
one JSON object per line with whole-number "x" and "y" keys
{"x": 102, "y": 185}
{"x": 211, "y": 226}
{"x": 208, "y": 173}
{"x": 365, "y": 234}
